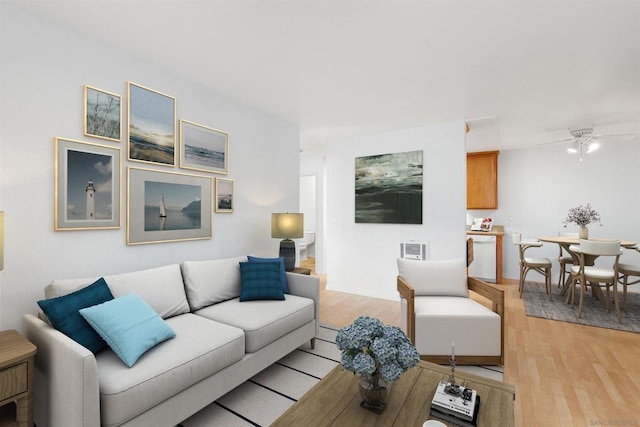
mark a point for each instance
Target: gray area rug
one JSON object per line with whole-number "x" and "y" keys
{"x": 262, "y": 399}
{"x": 594, "y": 313}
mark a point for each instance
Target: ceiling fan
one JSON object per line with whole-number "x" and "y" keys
{"x": 583, "y": 141}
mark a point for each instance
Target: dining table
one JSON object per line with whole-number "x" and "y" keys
{"x": 566, "y": 242}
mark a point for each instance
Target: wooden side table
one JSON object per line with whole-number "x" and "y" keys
{"x": 301, "y": 270}
{"x": 16, "y": 375}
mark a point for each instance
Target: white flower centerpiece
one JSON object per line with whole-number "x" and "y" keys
{"x": 582, "y": 216}
{"x": 379, "y": 353}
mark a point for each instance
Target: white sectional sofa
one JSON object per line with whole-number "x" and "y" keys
{"x": 219, "y": 343}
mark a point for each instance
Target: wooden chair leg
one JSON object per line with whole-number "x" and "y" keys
{"x": 582, "y": 286}
{"x": 548, "y": 281}
{"x": 615, "y": 300}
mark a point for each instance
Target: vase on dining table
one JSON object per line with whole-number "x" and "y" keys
{"x": 583, "y": 233}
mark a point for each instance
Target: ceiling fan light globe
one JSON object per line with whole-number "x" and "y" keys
{"x": 572, "y": 150}
{"x": 592, "y": 147}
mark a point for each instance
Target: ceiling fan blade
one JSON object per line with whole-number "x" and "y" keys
{"x": 622, "y": 135}
{"x": 555, "y": 142}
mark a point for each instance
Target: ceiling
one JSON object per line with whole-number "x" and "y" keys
{"x": 520, "y": 72}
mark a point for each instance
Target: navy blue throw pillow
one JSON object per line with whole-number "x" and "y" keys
{"x": 260, "y": 281}
{"x": 283, "y": 274}
{"x": 63, "y": 313}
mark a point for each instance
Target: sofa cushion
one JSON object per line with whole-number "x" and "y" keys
{"x": 442, "y": 277}
{"x": 209, "y": 282}
{"x": 63, "y": 313}
{"x": 442, "y": 320}
{"x": 262, "y": 321}
{"x": 283, "y": 272}
{"x": 162, "y": 288}
{"x": 201, "y": 348}
{"x": 128, "y": 325}
{"x": 260, "y": 281}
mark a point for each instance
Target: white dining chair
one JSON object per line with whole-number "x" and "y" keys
{"x": 586, "y": 275}
{"x": 541, "y": 265}
{"x": 627, "y": 271}
{"x": 564, "y": 260}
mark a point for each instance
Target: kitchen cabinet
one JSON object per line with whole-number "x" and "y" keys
{"x": 482, "y": 180}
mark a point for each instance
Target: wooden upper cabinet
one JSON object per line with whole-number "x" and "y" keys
{"x": 482, "y": 180}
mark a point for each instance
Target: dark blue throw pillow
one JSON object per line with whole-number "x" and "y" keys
{"x": 283, "y": 274}
{"x": 260, "y": 281}
{"x": 64, "y": 316}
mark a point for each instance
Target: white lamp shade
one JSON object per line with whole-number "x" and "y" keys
{"x": 287, "y": 225}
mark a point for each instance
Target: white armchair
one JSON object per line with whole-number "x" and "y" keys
{"x": 436, "y": 310}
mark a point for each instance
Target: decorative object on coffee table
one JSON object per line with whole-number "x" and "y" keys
{"x": 582, "y": 216}
{"x": 379, "y": 354}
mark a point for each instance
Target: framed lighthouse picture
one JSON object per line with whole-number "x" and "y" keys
{"x": 87, "y": 186}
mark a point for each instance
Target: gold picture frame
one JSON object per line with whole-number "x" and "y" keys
{"x": 151, "y": 135}
{"x": 167, "y": 206}
{"x": 87, "y": 185}
{"x": 225, "y": 195}
{"x": 203, "y": 148}
{"x": 102, "y": 114}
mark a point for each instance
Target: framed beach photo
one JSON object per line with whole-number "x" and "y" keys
{"x": 102, "y": 114}
{"x": 168, "y": 206}
{"x": 203, "y": 148}
{"x": 87, "y": 186}
{"x": 225, "y": 189}
{"x": 152, "y": 126}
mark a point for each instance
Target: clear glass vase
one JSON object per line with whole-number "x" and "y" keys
{"x": 374, "y": 392}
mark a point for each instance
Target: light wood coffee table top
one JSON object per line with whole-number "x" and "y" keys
{"x": 335, "y": 400}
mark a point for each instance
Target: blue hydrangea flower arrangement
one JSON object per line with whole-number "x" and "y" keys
{"x": 374, "y": 349}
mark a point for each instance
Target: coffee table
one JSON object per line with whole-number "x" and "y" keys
{"x": 335, "y": 400}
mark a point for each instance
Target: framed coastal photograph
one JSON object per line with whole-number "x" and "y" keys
{"x": 203, "y": 148}
{"x": 102, "y": 114}
{"x": 168, "y": 206}
{"x": 87, "y": 186}
{"x": 389, "y": 188}
{"x": 225, "y": 189}
{"x": 152, "y": 126}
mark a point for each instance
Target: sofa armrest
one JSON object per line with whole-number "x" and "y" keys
{"x": 303, "y": 285}
{"x": 66, "y": 378}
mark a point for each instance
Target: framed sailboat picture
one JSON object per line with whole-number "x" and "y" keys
{"x": 168, "y": 206}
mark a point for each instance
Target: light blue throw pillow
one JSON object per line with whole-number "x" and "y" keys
{"x": 283, "y": 274}
{"x": 129, "y": 325}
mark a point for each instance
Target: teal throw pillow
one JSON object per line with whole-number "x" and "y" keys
{"x": 283, "y": 274}
{"x": 63, "y": 314}
{"x": 261, "y": 281}
{"x": 129, "y": 325}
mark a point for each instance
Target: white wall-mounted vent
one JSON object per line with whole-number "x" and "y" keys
{"x": 414, "y": 249}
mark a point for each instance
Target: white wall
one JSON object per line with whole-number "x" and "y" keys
{"x": 361, "y": 258}
{"x": 536, "y": 188}
{"x": 43, "y": 70}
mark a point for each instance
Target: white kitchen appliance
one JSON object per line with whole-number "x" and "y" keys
{"x": 484, "y": 258}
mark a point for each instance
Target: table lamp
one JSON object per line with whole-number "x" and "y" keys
{"x": 287, "y": 226}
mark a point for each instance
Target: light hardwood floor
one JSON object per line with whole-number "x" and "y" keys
{"x": 565, "y": 374}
